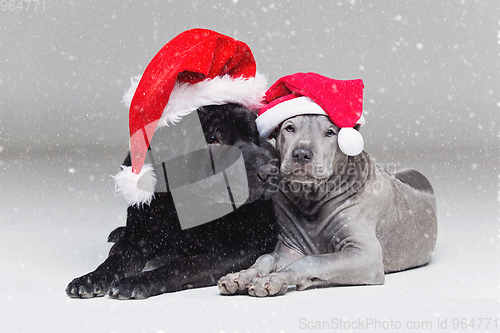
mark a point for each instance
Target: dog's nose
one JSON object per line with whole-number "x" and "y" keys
{"x": 264, "y": 171}
{"x": 302, "y": 155}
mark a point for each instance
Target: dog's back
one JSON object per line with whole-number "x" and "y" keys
{"x": 408, "y": 235}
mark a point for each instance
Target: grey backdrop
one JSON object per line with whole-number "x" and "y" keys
{"x": 431, "y": 68}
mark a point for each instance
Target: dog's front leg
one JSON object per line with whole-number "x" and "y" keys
{"x": 98, "y": 282}
{"x": 238, "y": 282}
{"x": 252, "y": 279}
{"x": 127, "y": 256}
{"x": 357, "y": 263}
{"x": 180, "y": 273}
{"x": 352, "y": 266}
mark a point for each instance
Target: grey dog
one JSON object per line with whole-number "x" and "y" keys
{"x": 344, "y": 220}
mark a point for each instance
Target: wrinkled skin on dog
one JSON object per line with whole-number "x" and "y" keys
{"x": 198, "y": 256}
{"x": 343, "y": 220}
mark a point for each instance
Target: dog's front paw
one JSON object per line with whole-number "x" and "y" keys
{"x": 236, "y": 283}
{"x": 270, "y": 285}
{"x": 132, "y": 288}
{"x": 88, "y": 286}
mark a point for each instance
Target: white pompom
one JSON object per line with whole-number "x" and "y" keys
{"x": 136, "y": 189}
{"x": 350, "y": 141}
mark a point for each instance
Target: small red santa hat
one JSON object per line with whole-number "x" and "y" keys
{"x": 311, "y": 93}
{"x": 198, "y": 67}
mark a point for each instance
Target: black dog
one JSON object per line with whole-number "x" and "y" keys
{"x": 198, "y": 256}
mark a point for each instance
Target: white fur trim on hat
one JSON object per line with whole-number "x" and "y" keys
{"x": 186, "y": 97}
{"x": 273, "y": 117}
{"x": 136, "y": 189}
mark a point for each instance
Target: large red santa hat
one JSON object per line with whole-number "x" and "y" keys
{"x": 311, "y": 93}
{"x": 198, "y": 67}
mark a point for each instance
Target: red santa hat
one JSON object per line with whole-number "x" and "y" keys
{"x": 311, "y": 93}
{"x": 199, "y": 67}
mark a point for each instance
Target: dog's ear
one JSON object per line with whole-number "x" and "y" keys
{"x": 275, "y": 132}
{"x": 277, "y": 139}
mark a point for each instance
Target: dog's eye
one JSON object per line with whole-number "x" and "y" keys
{"x": 290, "y": 128}
{"x": 330, "y": 132}
{"x": 213, "y": 140}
